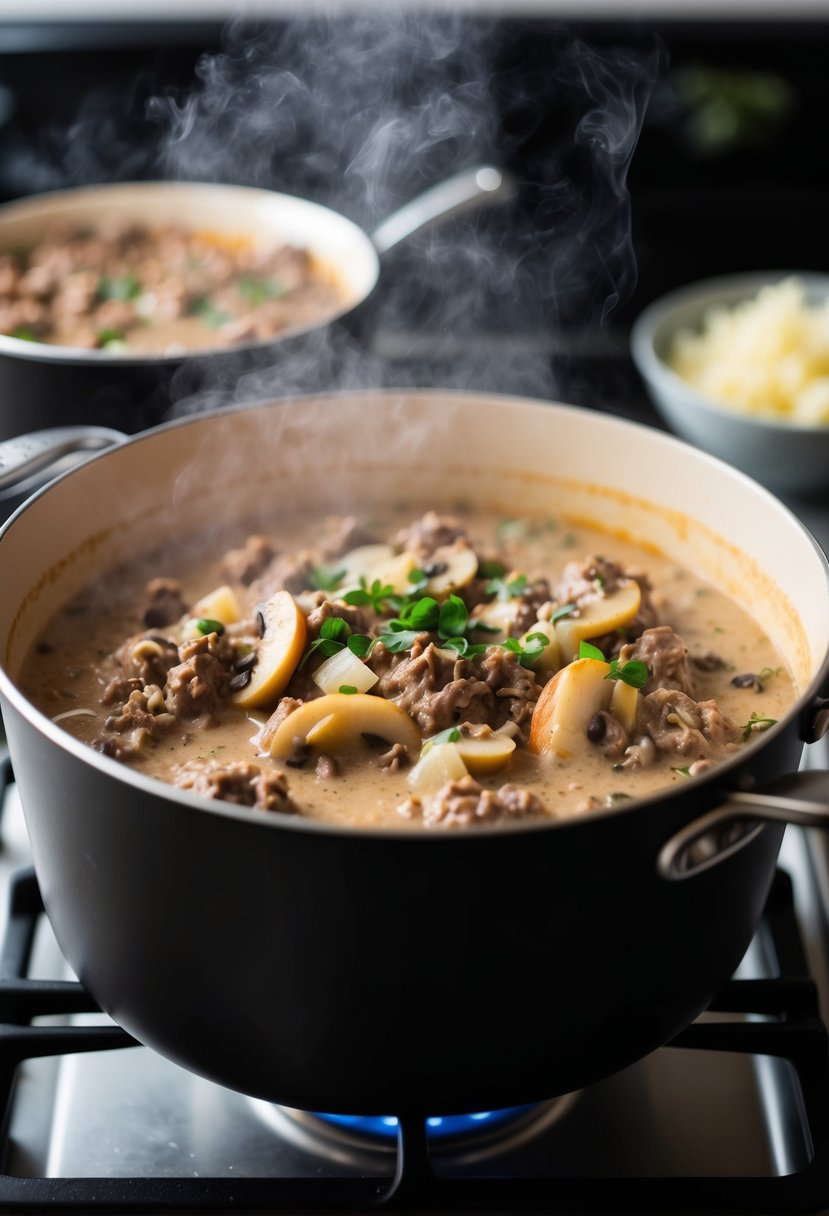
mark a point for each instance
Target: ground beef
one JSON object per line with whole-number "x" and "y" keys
{"x": 679, "y": 726}
{"x": 118, "y": 690}
{"x": 141, "y": 720}
{"x": 239, "y": 783}
{"x": 163, "y": 602}
{"x": 666, "y": 657}
{"x": 148, "y": 657}
{"x": 354, "y": 617}
{"x": 465, "y": 802}
{"x": 430, "y": 532}
{"x": 286, "y": 706}
{"x": 534, "y": 596}
{"x": 196, "y": 687}
{"x": 440, "y": 692}
{"x": 245, "y": 564}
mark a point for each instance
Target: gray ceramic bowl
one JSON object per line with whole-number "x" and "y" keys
{"x": 786, "y": 456}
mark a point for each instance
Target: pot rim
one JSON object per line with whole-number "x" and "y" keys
{"x": 48, "y": 352}
{"x": 154, "y": 787}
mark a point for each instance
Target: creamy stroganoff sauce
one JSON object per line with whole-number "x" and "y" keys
{"x": 71, "y": 665}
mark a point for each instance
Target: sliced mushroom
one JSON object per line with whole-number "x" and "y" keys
{"x": 358, "y": 563}
{"x": 280, "y": 649}
{"x": 482, "y": 756}
{"x": 338, "y": 721}
{"x": 600, "y": 616}
{"x": 566, "y": 705}
{"x": 454, "y": 565}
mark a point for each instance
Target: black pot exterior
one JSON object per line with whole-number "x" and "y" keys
{"x": 383, "y": 973}
{"x": 132, "y": 396}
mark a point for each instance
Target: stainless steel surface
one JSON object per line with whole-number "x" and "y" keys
{"x": 468, "y": 189}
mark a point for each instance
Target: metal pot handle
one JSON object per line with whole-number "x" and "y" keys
{"x": 25, "y": 458}
{"x": 801, "y": 798}
{"x": 465, "y": 190}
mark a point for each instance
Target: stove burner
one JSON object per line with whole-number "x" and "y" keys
{"x": 368, "y": 1141}
{"x": 438, "y": 1127}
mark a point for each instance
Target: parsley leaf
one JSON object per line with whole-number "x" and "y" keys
{"x": 564, "y": 610}
{"x": 588, "y": 651}
{"x": 377, "y": 595}
{"x": 256, "y": 291}
{"x": 634, "y": 672}
{"x": 122, "y": 287}
{"x": 453, "y": 618}
{"x": 360, "y": 644}
{"x": 349, "y": 689}
{"x": 506, "y": 589}
{"x": 325, "y": 578}
{"x": 333, "y": 636}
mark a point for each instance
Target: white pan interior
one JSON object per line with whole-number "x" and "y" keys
{"x": 358, "y": 451}
{"x": 264, "y": 216}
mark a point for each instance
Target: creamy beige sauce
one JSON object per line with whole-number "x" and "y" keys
{"x": 62, "y": 675}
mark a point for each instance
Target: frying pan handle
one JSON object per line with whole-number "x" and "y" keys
{"x": 25, "y": 458}
{"x": 801, "y": 798}
{"x": 467, "y": 189}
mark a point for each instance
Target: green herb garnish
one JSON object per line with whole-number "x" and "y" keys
{"x": 756, "y": 723}
{"x": 110, "y": 337}
{"x": 634, "y": 673}
{"x": 348, "y": 689}
{"x": 360, "y": 644}
{"x": 205, "y": 625}
{"x": 256, "y": 291}
{"x": 333, "y": 635}
{"x": 506, "y": 590}
{"x": 683, "y": 772}
{"x": 122, "y": 287}
{"x": 24, "y": 333}
{"x": 491, "y": 570}
{"x": 325, "y": 578}
{"x": 208, "y": 313}
{"x": 588, "y": 651}
{"x": 527, "y": 654}
{"x": 450, "y": 735}
{"x": 377, "y": 595}
{"x": 564, "y": 610}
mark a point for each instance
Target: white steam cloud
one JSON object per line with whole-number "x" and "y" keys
{"x": 361, "y": 112}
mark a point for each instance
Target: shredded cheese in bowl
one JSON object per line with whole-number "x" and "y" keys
{"x": 767, "y": 356}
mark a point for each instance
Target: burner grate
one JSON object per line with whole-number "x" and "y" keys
{"x": 792, "y": 1031}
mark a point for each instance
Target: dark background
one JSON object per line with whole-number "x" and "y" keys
{"x": 731, "y": 172}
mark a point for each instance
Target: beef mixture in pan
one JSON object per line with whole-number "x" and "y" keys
{"x": 442, "y": 672}
{"x": 131, "y": 288}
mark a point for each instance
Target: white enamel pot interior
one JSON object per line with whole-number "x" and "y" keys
{"x": 355, "y": 451}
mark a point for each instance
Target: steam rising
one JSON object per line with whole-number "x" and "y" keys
{"x": 361, "y": 112}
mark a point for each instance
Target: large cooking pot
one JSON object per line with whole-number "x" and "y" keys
{"x": 370, "y": 971}
{"x": 44, "y": 385}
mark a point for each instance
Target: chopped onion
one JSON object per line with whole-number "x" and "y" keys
{"x": 344, "y": 669}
